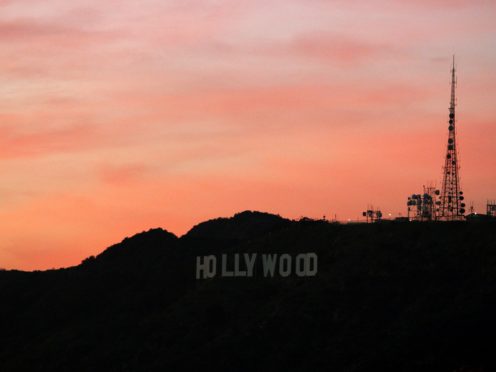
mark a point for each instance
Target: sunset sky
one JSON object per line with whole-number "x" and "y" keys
{"x": 120, "y": 116}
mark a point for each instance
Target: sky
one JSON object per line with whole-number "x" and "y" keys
{"x": 120, "y": 116}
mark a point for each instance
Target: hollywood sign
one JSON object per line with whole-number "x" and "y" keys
{"x": 249, "y": 264}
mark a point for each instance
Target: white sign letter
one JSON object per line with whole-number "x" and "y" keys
{"x": 285, "y": 265}
{"x": 250, "y": 263}
{"x": 224, "y": 264}
{"x": 311, "y": 264}
{"x": 301, "y": 264}
{"x": 237, "y": 271}
{"x": 269, "y": 264}
{"x": 207, "y": 269}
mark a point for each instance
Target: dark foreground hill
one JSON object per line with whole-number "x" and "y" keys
{"x": 387, "y": 297}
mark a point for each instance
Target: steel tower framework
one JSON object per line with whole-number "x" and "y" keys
{"x": 450, "y": 204}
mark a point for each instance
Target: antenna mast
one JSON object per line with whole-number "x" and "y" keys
{"x": 450, "y": 204}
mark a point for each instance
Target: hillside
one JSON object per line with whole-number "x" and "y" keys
{"x": 387, "y": 297}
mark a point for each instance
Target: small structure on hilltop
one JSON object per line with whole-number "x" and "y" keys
{"x": 422, "y": 207}
{"x": 491, "y": 208}
{"x": 372, "y": 215}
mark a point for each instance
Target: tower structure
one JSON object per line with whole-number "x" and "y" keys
{"x": 421, "y": 206}
{"x": 450, "y": 203}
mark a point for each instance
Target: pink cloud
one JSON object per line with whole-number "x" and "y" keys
{"x": 50, "y": 33}
{"x": 243, "y": 105}
{"x": 450, "y": 4}
{"x": 121, "y": 175}
{"x": 339, "y": 48}
{"x": 171, "y": 112}
{"x": 38, "y": 143}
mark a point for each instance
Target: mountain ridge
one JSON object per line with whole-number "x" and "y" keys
{"x": 387, "y": 296}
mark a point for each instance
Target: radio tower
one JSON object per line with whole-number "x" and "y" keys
{"x": 451, "y": 207}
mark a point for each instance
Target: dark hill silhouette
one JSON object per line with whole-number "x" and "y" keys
{"x": 244, "y": 225}
{"x": 388, "y": 297}
{"x": 140, "y": 249}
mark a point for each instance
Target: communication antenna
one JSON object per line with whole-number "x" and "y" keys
{"x": 450, "y": 206}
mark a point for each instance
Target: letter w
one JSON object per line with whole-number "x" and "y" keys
{"x": 269, "y": 264}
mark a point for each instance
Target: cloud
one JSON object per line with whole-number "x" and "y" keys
{"x": 340, "y": 48}
{"x": 380, "y": 5}
{"x": 260, "y": 106}
{"x": 449, "y": 4}
{"x": 15, "y": 144}
{"x": 25, "y": 30}
{"x": 121, "y": 115}
{"x": 121, "y": 175}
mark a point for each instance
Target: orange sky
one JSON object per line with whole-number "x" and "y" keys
{"x": 119, "y": 116}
